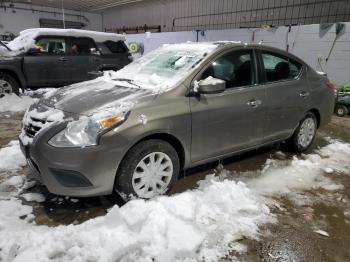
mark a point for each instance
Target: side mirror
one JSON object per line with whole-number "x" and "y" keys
{"x": 211, "y": 85}
{"x": 94, "y": 51}
{"x": 33, "y": 51}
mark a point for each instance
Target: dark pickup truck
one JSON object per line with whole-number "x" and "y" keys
{"x": 56, "y": 57}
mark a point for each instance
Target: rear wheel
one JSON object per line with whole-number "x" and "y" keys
{"x": 149, "y": 169}
{"x": 341, "y": 110}
{"x": 305, "y": 134}
{"x": 8, "y": 85}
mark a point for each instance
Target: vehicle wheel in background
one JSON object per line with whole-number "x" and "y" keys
{"x": 149, "y": 169}
{"x": 305, "y": 134}
{"x": 341, "y": 110}
{"x": 8, "y": 85}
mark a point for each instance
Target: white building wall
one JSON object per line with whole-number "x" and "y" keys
{"x": 15, "y": 20}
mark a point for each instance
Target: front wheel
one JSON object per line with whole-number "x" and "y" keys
{"x": 149, "y": 169}
{"x": 8, "y": 85}
{"x": 341, "y": 110}
{"x": 305, "y": 134}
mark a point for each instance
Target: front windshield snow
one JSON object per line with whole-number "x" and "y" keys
{"x": 165, "y": 66}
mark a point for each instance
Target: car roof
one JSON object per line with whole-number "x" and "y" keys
{"x": 97, "y": 36}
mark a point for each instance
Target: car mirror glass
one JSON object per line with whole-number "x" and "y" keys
{"x": 211, "y": 85}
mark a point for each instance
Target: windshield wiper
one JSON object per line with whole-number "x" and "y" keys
{"x": 130, "y": 81}
{"x": 3, "y": 44}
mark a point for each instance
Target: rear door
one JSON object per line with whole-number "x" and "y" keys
{"x": 287, "y": 93}
{"x": 82, "y": 58}
{"x": 232, "y": 120}
{"x": 47, "y": 67}
{"x": 114, "y": 55}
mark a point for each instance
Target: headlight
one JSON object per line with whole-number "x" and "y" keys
{"x": 84, "y": 132}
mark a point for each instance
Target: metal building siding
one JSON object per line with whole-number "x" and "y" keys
{"x": 221, "y": 14}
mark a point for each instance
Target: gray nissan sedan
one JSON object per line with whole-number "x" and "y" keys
{"x": 182, "y": 105}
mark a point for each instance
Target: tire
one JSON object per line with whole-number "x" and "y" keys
{"x": 132, "y": 174}
{"x": 341, "y": 110}
{"x": 8, "y": 85}
{"x": 305, "y": 134}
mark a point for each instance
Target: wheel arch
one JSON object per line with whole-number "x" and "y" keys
{"x": 14, "y": 75}
{"x": 317, "y": 114}
{"x": 172, "y": 140}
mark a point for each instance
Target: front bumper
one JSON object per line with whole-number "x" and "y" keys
{"x": 78, "y": 172}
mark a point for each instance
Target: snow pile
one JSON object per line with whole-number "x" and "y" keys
{"x": 14, "y": 103}
{"x": 36, "y": 197}
{"x": 199, "y": 224}
{"x": 204, "y": 224}
{"x": 11, "y": 157}
{"x": 291, "y": 177}
{"x": 48, "y": 91}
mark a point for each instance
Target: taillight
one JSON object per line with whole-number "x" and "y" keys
{"x": 330, "y": 85}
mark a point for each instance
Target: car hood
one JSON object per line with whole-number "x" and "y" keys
{"x": 95, "y": 96}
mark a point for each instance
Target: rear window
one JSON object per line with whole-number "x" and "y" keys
{"x": 81, "y": 46}
{"x": 116, "y": 47}
{"x": 278, "y": 67}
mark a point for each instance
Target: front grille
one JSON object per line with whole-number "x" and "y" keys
{"x": 34, "y": 126}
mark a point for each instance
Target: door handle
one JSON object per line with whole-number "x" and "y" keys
{"x": 254, "y": 103}
{"x": 62, "y": 59}
{"x": 304, "y": 94}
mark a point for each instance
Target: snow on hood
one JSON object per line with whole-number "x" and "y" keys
{"x": 100, "y": 94}
{"x": 26, "y": 38}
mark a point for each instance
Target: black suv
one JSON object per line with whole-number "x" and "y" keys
{"x": 58, "y": 57}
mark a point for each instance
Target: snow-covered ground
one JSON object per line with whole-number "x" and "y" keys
{"x": 203, "y": 224}
{"x": 200, "y": 224}
{"x": 14, "y": 103}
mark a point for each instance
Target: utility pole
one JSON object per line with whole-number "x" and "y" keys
{"x": 63, "y": 17}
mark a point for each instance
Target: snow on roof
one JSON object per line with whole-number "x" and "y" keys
{"x": 97, "y": 36}
{"x": 26, "y": 38}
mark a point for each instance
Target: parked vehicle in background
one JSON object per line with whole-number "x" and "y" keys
{"x": 344, "y": 88}
{"x": 58, "y": 57}
{"x": 342, "y": 104}
{"x": 176, "y": 107}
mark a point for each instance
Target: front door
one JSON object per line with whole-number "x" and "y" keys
{"x": 287, "y": 94}
{"x": 48, "y": 66}
{"x": 233, "y": 120}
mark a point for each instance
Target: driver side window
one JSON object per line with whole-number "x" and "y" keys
{"x": 52, "y": 46}
{"x": 236, "y": 68}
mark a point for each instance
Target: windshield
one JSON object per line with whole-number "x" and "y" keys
{"x": 165, "y": 66}
{"x": 22, "y": 43}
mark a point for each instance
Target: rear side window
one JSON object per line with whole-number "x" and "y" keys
{"x": 236, "y": 68}
{"x": 52, "y": 46}
{"x": 116, "y": 47}
{"x": 279, "y": 68}
{"x": 81, "y": 46}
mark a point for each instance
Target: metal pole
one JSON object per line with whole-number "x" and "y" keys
{"x": 63, "y": 18}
